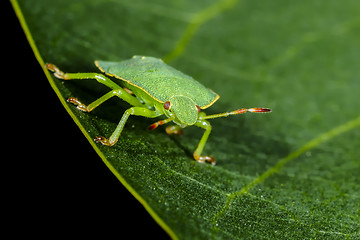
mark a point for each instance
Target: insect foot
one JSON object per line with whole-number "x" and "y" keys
{"x": 204, "y": 159}
{"x": 78, "y": 104}
{"x": 174, "y": 130}
{"x": 104, "y": 141}
{"x": 57, "y": 72}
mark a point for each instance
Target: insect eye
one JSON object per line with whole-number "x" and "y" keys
{"x": 198, "y": 108}
{"x": 167, "y": 105}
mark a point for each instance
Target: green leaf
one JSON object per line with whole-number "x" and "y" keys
{"x": 291, "y": 174}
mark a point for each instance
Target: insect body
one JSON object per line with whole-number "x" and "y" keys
{"x": 154, "y": 88}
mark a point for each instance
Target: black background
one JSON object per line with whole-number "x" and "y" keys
{"x": 57, "y": 183}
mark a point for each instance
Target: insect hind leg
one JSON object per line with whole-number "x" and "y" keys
{"x": 70, "y": 76}
{"x": 117, "y": 90}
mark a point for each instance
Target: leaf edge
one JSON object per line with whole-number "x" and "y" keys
{"x": 38, "y": 57}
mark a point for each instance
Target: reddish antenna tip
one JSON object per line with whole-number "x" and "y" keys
{"x": 152, "y": 127}
{"x": 259, "y": 110}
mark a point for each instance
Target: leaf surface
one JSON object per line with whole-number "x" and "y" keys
{"x": 291, "y": 174}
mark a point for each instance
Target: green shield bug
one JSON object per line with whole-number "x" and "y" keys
{"x": 154, "y": 88}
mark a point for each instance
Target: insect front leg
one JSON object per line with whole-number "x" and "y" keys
{"x": 197, "y": 154}
{"x": 139, "y": 111}
{"x": 174, "y": 130}
{"x": 161, "y": 122}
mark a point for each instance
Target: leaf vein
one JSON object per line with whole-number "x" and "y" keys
{"x": 198, "y": 19}
{"x": 283, "y": 161}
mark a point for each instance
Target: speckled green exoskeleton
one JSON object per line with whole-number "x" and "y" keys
{"x": 153, "y": 88}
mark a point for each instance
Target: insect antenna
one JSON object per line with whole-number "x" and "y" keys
{"x": 238, "y": 111}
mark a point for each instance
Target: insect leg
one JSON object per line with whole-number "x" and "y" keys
{"x": 174, "y": 129}
{"x": 118, "y": 91}
{"x": 97, "y": 102}
{"x": 139, "y": 111}
{"x": 69, "y": 76}
{"x": 92, "y": 105}
{"x": 161, "y": 122}
{"x": 197, "y": 154}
